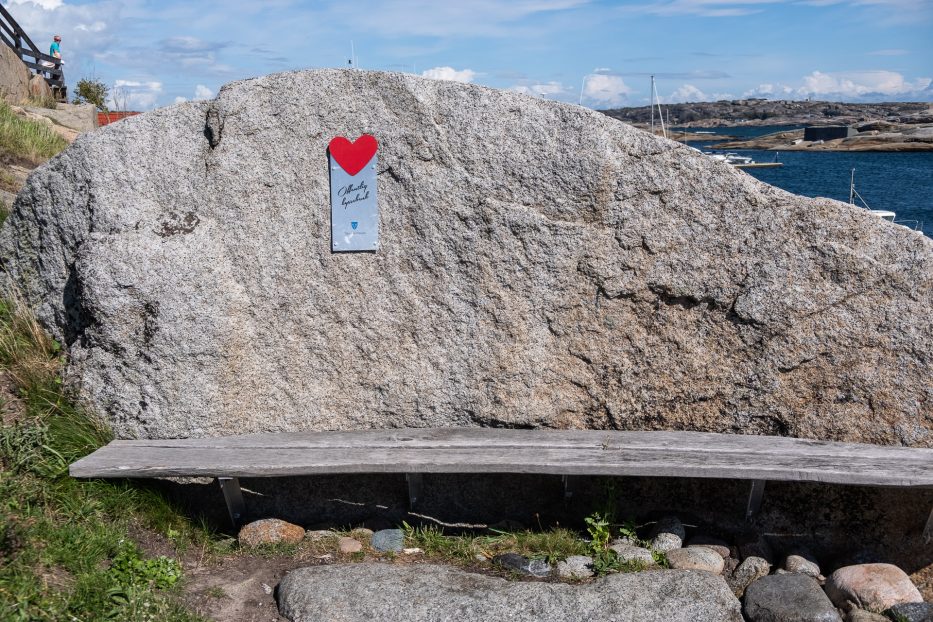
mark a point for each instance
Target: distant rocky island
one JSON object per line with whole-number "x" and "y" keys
{"x": 758, "y": 111}
{"x": 897, "y": 126}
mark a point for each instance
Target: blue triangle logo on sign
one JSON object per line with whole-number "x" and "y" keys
{"x": 354, "y": 224}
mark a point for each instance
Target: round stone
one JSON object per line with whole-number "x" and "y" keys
{"x": 696, "y": 558}
{"x": 628, "y": 554}
{"x": 389, "y": 540}
{"x": 349, "y": 545}
{"x": 575, "y": 567}
{"x": 802, "y": 563}
{"x": 872, "y": 586}
{"x": 715, "y": 544}
{"x": 270, "y": 531}
{"x": 749, "y": 571}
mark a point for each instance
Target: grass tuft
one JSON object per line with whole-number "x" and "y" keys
{"x": 26, "y": 141}
{"x": 65, "y": 552}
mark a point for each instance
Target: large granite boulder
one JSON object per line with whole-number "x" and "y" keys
{"x": 540, "y": 265}
{"x": 427, "y": 593}
{"x": 14, "y": 77}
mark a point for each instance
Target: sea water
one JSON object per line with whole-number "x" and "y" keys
{"x": 898, "y": 182}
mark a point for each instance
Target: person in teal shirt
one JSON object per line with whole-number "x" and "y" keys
{"x": 55, "y": 48}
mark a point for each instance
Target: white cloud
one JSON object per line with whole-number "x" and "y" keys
{"x": 202, "y": 92}
{"x": 893, "y": 52}
{"x": 449, "y": 73}
{"x": 180, "y": 99}
{"x": 48, "y": 5}
{"x": 603, "y": 89}
{"x": 704, "y": 8}
{"x": 548, "y": 90}
{"x": 135, "y": 94}
{"x": 430, "y": 18}
{"x": 846, "y": 85}
{"x": 770, "y": 91}
{"x": 687, "y": 93}
{"x": 859, "y": 83}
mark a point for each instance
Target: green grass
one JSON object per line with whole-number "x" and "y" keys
{"x": 26, "y": 141}
{"x": 65, "y": 553}
{"x": 552, "y": 545}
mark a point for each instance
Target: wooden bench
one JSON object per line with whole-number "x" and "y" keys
{"x": 567, "y": 453}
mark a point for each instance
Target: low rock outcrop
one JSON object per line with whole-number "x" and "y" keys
{"x": 540, "y": 265}
{"x": 426, "y": 592}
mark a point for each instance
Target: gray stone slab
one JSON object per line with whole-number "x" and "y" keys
{"x": 429, "y": 593}
{"x": 788, "y": 598}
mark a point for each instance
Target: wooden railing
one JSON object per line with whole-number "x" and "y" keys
{"x": 47, "y": 66}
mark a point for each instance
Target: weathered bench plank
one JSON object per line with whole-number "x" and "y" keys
{"x": 483, "y": 450}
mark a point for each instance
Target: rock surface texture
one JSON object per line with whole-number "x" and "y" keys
{"x": 428, "y": 593}
{"x": 541, "y": 265}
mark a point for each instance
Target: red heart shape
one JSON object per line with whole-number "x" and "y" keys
{"x": 352, "y": 157}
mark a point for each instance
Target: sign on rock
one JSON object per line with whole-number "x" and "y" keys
{"x": 354, "y": 214}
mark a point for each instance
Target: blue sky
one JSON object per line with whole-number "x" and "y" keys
{"x": 153, "y": 53}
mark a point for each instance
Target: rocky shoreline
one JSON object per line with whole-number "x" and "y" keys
{"x": 876, "y": 136}
{"x": 756, "y": 112}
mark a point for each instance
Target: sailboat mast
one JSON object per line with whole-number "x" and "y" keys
{"x": 852, "y": 188}
{"x": 652, "y": 104}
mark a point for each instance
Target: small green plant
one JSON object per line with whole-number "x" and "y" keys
{"x": 660, "y": 559}
{"x": 130, "y": 569}
{"x": 599, "y": 530}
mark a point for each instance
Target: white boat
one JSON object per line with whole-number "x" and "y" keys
{"x": 740, "y": 161}
{"x": 884, "y": 214}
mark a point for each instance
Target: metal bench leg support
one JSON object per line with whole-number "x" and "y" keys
{"x": 570, "y": 483}
{"x": 415, "y": 486}
{"x": 755, "y": 495}
{"x": 928, "y": 530}
{"x": 230, "y": 486}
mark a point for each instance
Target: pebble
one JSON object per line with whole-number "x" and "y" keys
{"x": 803, "y": 562}
{"x": 576, "y": 567}
{"x": 669, "y": 534}
{"x": 362, "y": 533}
{"x": 788, "y": 598}
{"x": 697, "y": 558}
{"x": 349, "y": 545}
{"x": 628, "y": 554}
{"x": 710, "y": 542}
{"x": 872, "y": 586}
{"x": 520, "y": 563}
{"x": 266, "y": 588}
{"x": 911, "y": 612}
{"x": 749, "y": 571}
{"x": 412, "y": 551}
{"x": 270, "y": 531}
{"x": 389, "y": 540}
